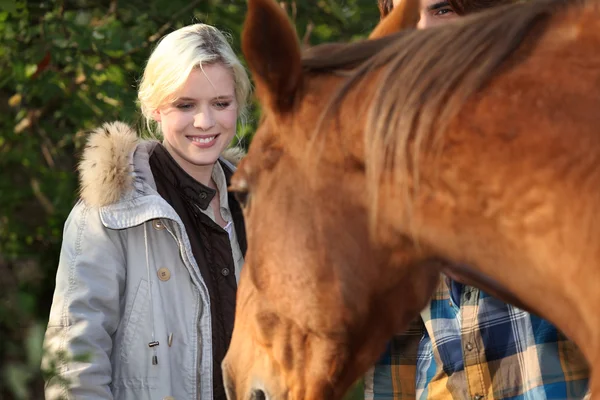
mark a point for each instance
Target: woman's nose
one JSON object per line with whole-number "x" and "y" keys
{"x": 204, "y": 120}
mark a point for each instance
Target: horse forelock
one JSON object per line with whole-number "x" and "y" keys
{"x": 329, "y": 57}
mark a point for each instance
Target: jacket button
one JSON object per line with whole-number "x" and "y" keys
{"x": 203, "y": 196}
{"x": 164, "y": 274}
{"x": 158, "y": 225}
{"x": 225, "y": 271}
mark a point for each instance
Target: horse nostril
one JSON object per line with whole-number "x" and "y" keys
{"x": 258, "y": 395}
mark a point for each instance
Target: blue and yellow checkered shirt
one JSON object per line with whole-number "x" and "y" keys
{"x": 484, "y": 349}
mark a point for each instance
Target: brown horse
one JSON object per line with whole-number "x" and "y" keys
{"x": 475, "y": 143}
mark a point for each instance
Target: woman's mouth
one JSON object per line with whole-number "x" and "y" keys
{"x": 203, "y": 141}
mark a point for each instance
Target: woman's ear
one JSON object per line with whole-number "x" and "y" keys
{"x": 156, "y": 115}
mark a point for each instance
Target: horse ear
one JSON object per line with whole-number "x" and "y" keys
{"x": 404, "y": 16}
{"x": 272, "y": 50}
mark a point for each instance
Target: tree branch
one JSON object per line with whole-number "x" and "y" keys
{"x": 41, "y": 197}
{"x": 166, "y": 26}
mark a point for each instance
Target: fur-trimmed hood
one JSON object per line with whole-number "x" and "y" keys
{"x": 106, "y": 169}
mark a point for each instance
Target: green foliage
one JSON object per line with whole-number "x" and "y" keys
{"x": 67, "y": 66}
{"x": 356, "y": 392}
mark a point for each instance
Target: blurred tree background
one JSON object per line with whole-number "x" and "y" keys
{"x": 66, "y": 66}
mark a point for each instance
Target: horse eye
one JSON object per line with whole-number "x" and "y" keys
{"x": 241, "y": 196}
{"x": 241, "y": 192}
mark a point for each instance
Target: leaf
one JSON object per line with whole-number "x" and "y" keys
{"x": 34, "y": 344}
{"x": 10, "y": 6}
{"x": 17, "y": 377}
{"x": 15, "y": 100}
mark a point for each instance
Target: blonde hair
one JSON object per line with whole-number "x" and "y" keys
{"x": 174, "y": 58}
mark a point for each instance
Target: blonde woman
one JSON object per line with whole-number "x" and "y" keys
{"x": 151, "y": 254}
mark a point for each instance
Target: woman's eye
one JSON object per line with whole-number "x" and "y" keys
{"x": 222, "y": 105}
{"x": 184, "y": 106}
{"x": 443, "y": 12}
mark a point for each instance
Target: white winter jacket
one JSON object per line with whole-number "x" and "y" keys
{"x": 128, "y": 292}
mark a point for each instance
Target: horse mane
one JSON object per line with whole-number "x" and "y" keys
{"x": 333, "y": 57}
{"x": 427, "y": 76}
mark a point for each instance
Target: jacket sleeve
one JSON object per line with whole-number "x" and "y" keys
{"x": 393, "y": 377}
{"x": 85, "y": 309}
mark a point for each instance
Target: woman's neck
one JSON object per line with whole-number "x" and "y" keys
{"x": 201, "y": 173}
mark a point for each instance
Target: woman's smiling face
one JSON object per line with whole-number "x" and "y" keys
{"x": 201, "y": 122}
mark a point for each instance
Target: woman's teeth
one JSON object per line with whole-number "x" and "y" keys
{"x": 204, "y": 139}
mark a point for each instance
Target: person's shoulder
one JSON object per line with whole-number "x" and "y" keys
{"x": 105, "y": 169}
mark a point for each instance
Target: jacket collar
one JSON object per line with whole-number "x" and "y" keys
{"x": 116, "y": 178}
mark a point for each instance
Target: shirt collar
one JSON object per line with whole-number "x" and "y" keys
{"x": 188, "y": 186}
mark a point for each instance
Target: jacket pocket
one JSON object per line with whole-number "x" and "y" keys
{"x": 136, "y": 316}
{"x": 133, "y": 368}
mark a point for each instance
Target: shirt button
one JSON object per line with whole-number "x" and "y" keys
{"x": 479, "y": 397}
{"x": 225, "y": 271}
{"x": 468, "y": 296}
{"x": 203, "y": 195}
{"x": 158, "y": 225}
{"x": 164, "y": 274}
{"x": 469, "y": 346}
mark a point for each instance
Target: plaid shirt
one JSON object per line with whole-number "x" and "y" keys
{"x": 484, "y": 349}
